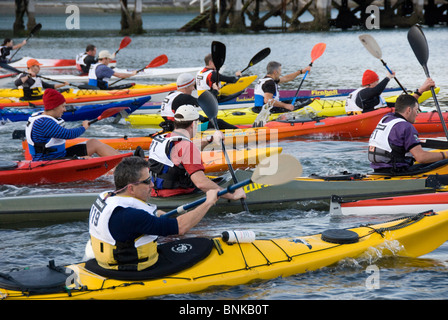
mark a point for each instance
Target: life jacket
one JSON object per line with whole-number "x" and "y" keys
{"x": 259, "y": 93}
{"x": 380, "y": 151}
{"x": 134, "y": 255}
{"x": 352, "y": 108}
{"x": 33, "y": 92}
{"x": 203, "y": 80}
{"x": 94, "y": 80}
{"x": 53, "y": 146}
{"x": 80, "y": 61}
{"x": 165, "y": 175}
{"x": 5, "y": 53}
{"x": 166, "y": 109}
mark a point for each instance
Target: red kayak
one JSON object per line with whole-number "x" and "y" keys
{"x": 57, "y": 171}
{"x": 355, "y": 126}
{"x": 391, "y": 205}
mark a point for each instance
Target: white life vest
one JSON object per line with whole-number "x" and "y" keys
{"x": 105, "y": 246}
{"x": 201, "y": 80}
{"x": 379, "y": 147}
{"x": 352, "y": 107}
{"x": 160, "y": 145}
{"x": 93, "y": 79}
{"x": 80, "y": 60}
{"x": 166, "y": 109}
{"x": 259, "y": 93}
{"x": 54, "y": 145}
{"x": 36, "y": 88}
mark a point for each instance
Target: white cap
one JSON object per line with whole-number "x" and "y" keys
{"x": 186, "y": 112}
{"x": 184, "y": 80}
{"x": 104, "y": 54}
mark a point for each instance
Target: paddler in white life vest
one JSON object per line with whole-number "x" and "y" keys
{"x": 85, "y": 59}
{"x": 394, "y": 144}
{"x": 368, "y": 97}
{"x": 32, "y": 84}
{"x": 124, "y": 227}
{"x": 176, "y": 162}
{"x": 100, "y": 73}
{"x": 266, "y": 89}
{"x": 46, "y": 134}
{"x": 208, "y": 76}
{"x": 183, "y": 95}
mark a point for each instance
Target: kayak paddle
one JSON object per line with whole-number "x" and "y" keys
{"x": 419, "y": 45}
{"x": 218, "y": 56}
{"x": 156, "y": 62}
{"x": 257, "y": 58}
{"x": 316, "y": 52}
{"x": 36, "y": 29}
{"x": 286, "y": 166}
{"x": 209, "y": 105}
{"x": 372, "y": 46}
{"x": 123, "y": 44}
{"x": 108, "y": 113}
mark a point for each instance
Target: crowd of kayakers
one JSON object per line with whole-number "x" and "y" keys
{"x": 118, "y": 219}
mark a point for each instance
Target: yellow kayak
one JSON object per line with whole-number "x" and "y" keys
{"x": 232, "y": 88}
{"x": 245, "y": 116}
{"x": 196, "y": 264}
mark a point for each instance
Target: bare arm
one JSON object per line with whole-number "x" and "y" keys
{"x": 201, "y": 181}
{"x": 423, "y": 156}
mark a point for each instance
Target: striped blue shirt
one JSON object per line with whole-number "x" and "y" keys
{"x": 44, "y": 129}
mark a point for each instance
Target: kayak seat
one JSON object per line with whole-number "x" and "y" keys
{"x": 173, "y": 257}
{"x": 7, "y": 165}
{"x": 420, "y": 168}
{"x": 342, "y": 177}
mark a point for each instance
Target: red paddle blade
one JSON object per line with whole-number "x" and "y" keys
{"x": 111, "y": 112}
{"x": 125, "y": 42}
{"x": 317, "y": 51}
{"x": 158, "y": 61}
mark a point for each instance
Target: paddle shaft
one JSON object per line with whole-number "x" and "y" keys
{"x": 300, "y": 85}
{"x": 36, "y": 28}
{"x": 229, "y": 164}
{"x": 184, "y": 208}
{"x": 390, "y": 71}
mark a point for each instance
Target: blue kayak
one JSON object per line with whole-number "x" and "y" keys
{"x": 74, "y": 113}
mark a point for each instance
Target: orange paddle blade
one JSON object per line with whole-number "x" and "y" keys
{"x": 317, "y": 51}
{"x": 110, "y": 112}
{"x": 158, "y": 61}
{"x": 125, "y": 42}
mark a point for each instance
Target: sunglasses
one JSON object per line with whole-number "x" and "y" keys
{"x": 146, "y": 181}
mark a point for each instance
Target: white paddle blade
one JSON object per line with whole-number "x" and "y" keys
{"x": 276, "y": 170}
{"x": 371, "y": 45}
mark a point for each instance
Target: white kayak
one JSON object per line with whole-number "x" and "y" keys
{"x": 48, "y": 63}
{"x": 390, "y": 205}
{"x": 150, "y": 73}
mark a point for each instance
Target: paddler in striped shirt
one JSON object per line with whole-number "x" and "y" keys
{"x": 46, "y": 134}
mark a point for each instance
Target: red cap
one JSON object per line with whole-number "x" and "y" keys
{"x": 32, "y": 62}
{"x": 52, "y": 99}
{"x": 369, "y": 77}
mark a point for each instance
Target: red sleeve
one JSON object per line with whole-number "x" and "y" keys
{"x": 189, "y": 155}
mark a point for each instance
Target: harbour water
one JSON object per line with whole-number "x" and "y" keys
{"x": 341, "y": 66}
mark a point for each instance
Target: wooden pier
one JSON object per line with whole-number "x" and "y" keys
{"x": 252, "y": 15}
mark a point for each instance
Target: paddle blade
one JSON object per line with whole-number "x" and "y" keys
{"x": 218, "y": 54}
{"x": 419, "y": 45}
{"x": 125, "y": 42}
{"x": 260, "y": 56}
{"x": 158, "y": 61}
{"x": 209, "y": 104}
{"x": 371, "y": 45}
{"x": 317, "y": 51}
{"x": 36, "y": 28}
{"x": 108, "y": 113}
{"x": 277, "y": 170}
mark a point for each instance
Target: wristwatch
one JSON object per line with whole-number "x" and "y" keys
{"x": 209, "y": 139}
{"x": 417, "y": 92}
